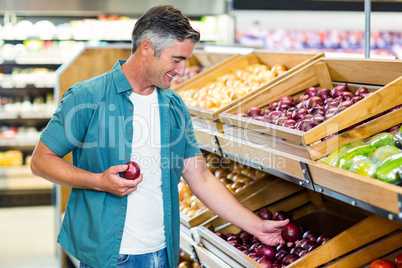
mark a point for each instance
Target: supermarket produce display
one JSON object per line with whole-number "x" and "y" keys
{"x": 263, "y": 146}
{"x": 378, "y": 157}
{"x": 231, "y": 86}
{"x": 304, "y": 241}
{"x": 230, "y": 83}
{"x": 308, "y": 110}
{"x": 327, "y": 200}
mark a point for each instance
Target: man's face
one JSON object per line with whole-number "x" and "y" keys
{"x": 171, "y": 62}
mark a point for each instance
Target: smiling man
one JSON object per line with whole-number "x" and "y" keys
{"x": 129, "y": 113}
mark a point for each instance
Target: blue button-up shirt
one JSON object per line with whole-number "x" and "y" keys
{"x": 94, "y": 121}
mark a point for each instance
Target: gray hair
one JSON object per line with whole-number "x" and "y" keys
{"x": 158, "y": 42}
{"x": 162, "y": 25}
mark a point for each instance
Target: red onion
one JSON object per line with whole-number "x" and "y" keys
{"x": 280, "y": 120}
{"x": 254, "y": 111}
{"x": 221, "y": 235}
{"x": 266, "y": 119}
{"x": 347, "y": 95}
{"x": 289, "y": 98}
{"x": 330, "y": 105}
{"x": 338, "y": 99}
{"x": 283, "y": 249}
{"x": 273, "y": 106}
{"x": 265, "y": 111}
{"x": 307, "y": 125}
{"x": 290, "y": 102}
{"x": 290, "y": 259}
{"x": 289, "y": 122}
{"x": 280, "y": 215}
{"x": 275, "y": 114}
{"x": 369, "y": 94}
{"x": 259, "y": 118}
{"x": 265, "y": 214}
{"x": 279, "y": 256}
{"x": 234, "y": 243}
{"x": 283, "y": 107}
{"x": 362, "y": 91}
{"x": 303, "y": 253}
{"x": 296, "y": 250}
{"x": 318, "y": 118}
{"x": 301, "y": 98}
{"x": 357, "y": 98}
{"x": 307, "y": 117}
{"x": 254, "y": 247}
{"x": 314, "y": 101}
{"x": 267, "y": 251}
{"x": 337, "y": 91}
{"x": 302, "y": 104}
{"x": 317, "y": 110}
{"x": 254, "y": 256}
{"x": 265, "y": 262}
{"x": 328, "y": 100}
{"x": 322, "y": 239}
{"x": 324, "y": 93}
{"x": 312, "y": 91}
{"x": 346, "y": 104}
{"x": 299, "y": 114}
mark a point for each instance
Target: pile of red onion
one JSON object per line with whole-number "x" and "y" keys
{"x": 282, "y": 255}
{"x": 308, "y": 110}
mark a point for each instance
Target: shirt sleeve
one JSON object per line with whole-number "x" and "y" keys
{"x": 67, "y": 128}
{"x": 192, "y": 148}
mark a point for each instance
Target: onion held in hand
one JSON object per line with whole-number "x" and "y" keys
{"x": 133, "y": 171}
{"x": 291, "y": 232}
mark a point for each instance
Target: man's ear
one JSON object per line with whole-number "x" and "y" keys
{"x": 146, "y": 47}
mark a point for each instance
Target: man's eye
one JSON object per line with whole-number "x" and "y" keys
{"x": 176, "y": 61}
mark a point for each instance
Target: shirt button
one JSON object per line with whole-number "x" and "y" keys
{"x": 128, "y": 91}
{"x": 130, "y": 108}
{"x": 123, "y": 208}
{"x": 118, "y": 232}
{"x": 127, "y": 157}
{"x": 129, "y": 132}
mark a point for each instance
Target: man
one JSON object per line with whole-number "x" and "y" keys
{"x": 126, "y": 114}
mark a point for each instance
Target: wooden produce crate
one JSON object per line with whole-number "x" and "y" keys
{"x": 292, "y": 61}
{"x": 379, "y": 194}
{"x": 352, "y": 230}
{"x": 382, "y": 77}
{"x": 209, "y": 62}
{"x": 268, "y": 188}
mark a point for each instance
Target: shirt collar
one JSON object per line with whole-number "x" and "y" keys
{"x": 122, "y": 84}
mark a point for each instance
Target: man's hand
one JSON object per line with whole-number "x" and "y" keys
{"x": 110, "y": 181}
{"x": 270, "y": 232}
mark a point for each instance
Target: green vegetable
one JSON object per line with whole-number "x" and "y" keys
{"x": 390, "y": 169}
{"x": 383, "y": 152}
{"x": 333, "y": 157}
{"x": 398, "y": 140}
{"x": 345, "y": 160}
{"x": 382, "y": 139}
{"x": 363, "y": 166}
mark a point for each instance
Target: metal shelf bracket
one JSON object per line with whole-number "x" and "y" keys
{"x": 308, "y": 182}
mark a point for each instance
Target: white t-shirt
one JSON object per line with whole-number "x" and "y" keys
{"x": 144, "y": 229}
